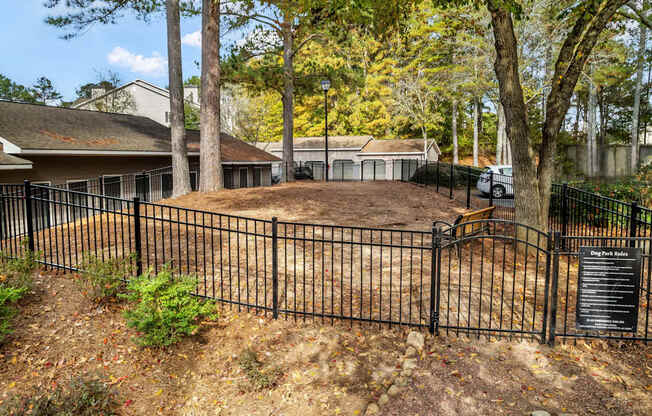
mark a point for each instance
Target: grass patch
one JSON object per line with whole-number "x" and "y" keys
{"x": 259, "y": 376}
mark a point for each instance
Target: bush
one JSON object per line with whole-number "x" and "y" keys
{"x": 8, "y": 296}
{"x": 18, "y": 273}
{"x": 164, "y": 309}
{"x": 260, "y": 378}
{"x": 102, "y": 281}
{"x": 83, "y": 396}
{"x": 427, "y": 175}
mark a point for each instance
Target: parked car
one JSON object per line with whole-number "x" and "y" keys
{"x": 502, "y": 181}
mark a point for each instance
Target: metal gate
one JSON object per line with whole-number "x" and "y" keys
{"x": 491, "y": 278}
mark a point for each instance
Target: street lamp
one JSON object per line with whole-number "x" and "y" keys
{"x": 326, "y": 85}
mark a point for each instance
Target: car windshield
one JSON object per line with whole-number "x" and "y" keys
{"x": 507, "y": 171}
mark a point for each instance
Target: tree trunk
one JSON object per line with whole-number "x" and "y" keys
{"x": 288, "y": 102}
{"x": 500, "y": 135}
{"x": 456, "y": 158}
{"x": 591, "y": 140}
{"x": 578, "y": 109}
{"x": 210, "y": 128}
{"x": 476, "y": 132}
{"x": 636, "y": 113}
{"x": 180, "y": 168}
{"x": 526, "y": 185}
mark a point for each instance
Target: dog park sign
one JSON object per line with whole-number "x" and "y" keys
{"x": 608, "y": 289}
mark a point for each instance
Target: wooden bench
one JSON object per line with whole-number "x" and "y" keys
{"x": 465, "y": 226}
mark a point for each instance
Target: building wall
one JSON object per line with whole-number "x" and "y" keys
{"x": 58, "y": 170}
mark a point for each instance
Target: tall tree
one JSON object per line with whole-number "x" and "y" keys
{"x": 9, "y": 90}
{"x": 210, "y": 127}
{"x": 44, "y": 91}
{"x": 636, "y": 110}
{"x": 180, "y": 166}
{"x": 532, "y": 174}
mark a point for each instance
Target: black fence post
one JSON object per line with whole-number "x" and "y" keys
{"x": 564, "y": 213}
{"x": 555, "y": 286}
{"x": 29, "y": 216}
{"x": 468, "y": 187}
{"x": 633, "y": 223}
{"x": 437, "y": 175}
{"x": 451, "y": 183}
{"x": 546, "y": 296}
{"x": 434, "y": 282}
{"x": 491, "y": 189}
{"x": 275, "y": 267}
{"x": 137, "y": 243}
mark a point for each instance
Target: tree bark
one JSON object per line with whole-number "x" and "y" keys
{"x": 456, "y": 156}
{"x": 591, "y": 140}
{"x": 476, "y": 132}
{"x": 532, "y": 182}
{"x": 500, "y": 134}
{"x": 288, "y": 101}
{"x": 511, "y": 96}
{"x": 636, "y": 113}
{"x": 180, "y": 168}
{"x": 210, "y": 127}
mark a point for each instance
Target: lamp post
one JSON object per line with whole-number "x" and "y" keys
{"x": 326, "y": 85}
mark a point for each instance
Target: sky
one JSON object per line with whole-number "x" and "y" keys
{"x": 134, "y": 49}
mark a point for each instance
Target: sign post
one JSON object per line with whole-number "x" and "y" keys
{"x": 608, "y": 289}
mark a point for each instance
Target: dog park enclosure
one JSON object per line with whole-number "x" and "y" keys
{"x": 493, "y": 283}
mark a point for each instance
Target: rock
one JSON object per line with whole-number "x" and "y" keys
{"x": 416, "y": 340}
{"x": 372, "y": 409}
{"x": 383, "y": 400}
{"x": 410, "y": 364}
{"x": 410, "y": 352}
{"x": 393, "y": 390}
{"x": 539, "y": 413}
{"x": 406, "y": 373}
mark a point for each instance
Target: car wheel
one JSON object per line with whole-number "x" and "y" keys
{"x": 498, "y": 191}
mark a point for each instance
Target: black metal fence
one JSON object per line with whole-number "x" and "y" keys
{"x": 492, "y": 277}
{"x": 573, "y": 212}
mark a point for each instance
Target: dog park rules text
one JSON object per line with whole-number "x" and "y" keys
{"x": 608, "y": 289}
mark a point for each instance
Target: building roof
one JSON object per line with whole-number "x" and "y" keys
{"x": 39, "y": 129}
{"x": 398, "y": 146}
{"x": 13, "y": 162}
{"x": 316, "y": 143}
{"x": 144, "y": 84}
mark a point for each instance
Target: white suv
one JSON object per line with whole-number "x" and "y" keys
{"x": 502, "y": 183}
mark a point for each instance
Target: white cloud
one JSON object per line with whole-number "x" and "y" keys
{"x": 152, "y": 65}
{"x": 192, "y": 39}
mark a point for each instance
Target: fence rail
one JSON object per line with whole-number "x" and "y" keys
{"x": 491, "y": 277}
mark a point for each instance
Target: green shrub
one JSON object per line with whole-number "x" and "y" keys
{"x": 83, "y": 396}
{"x": 19, "y": 272}
{"x": 103, "y": 280}
{"x": 261, "y": 378}
{"x": 427, "y": 175}
{"x": 8, "y": 296}
{"x": 163, "y": 308}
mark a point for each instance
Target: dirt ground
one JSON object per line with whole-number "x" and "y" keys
{"x": 381, "y": 204}
{"x": 322, "y": 369}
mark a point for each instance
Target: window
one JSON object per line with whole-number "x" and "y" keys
{"x": 243, "y": 177}
{"x": 343, "y": 170}
{"x": 258, "y": 173}
{"x": 194, "y": 181}
{"x": 167, "y": 116}
{"x": 228, "y": 178}
{"x": 78, "y": 199}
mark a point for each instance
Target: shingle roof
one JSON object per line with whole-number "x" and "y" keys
{"x": 6, "y": 159}
{"x": 334, "y": 142}
{"x": 395, "y": 146}
{"x": 39, "y": 127}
